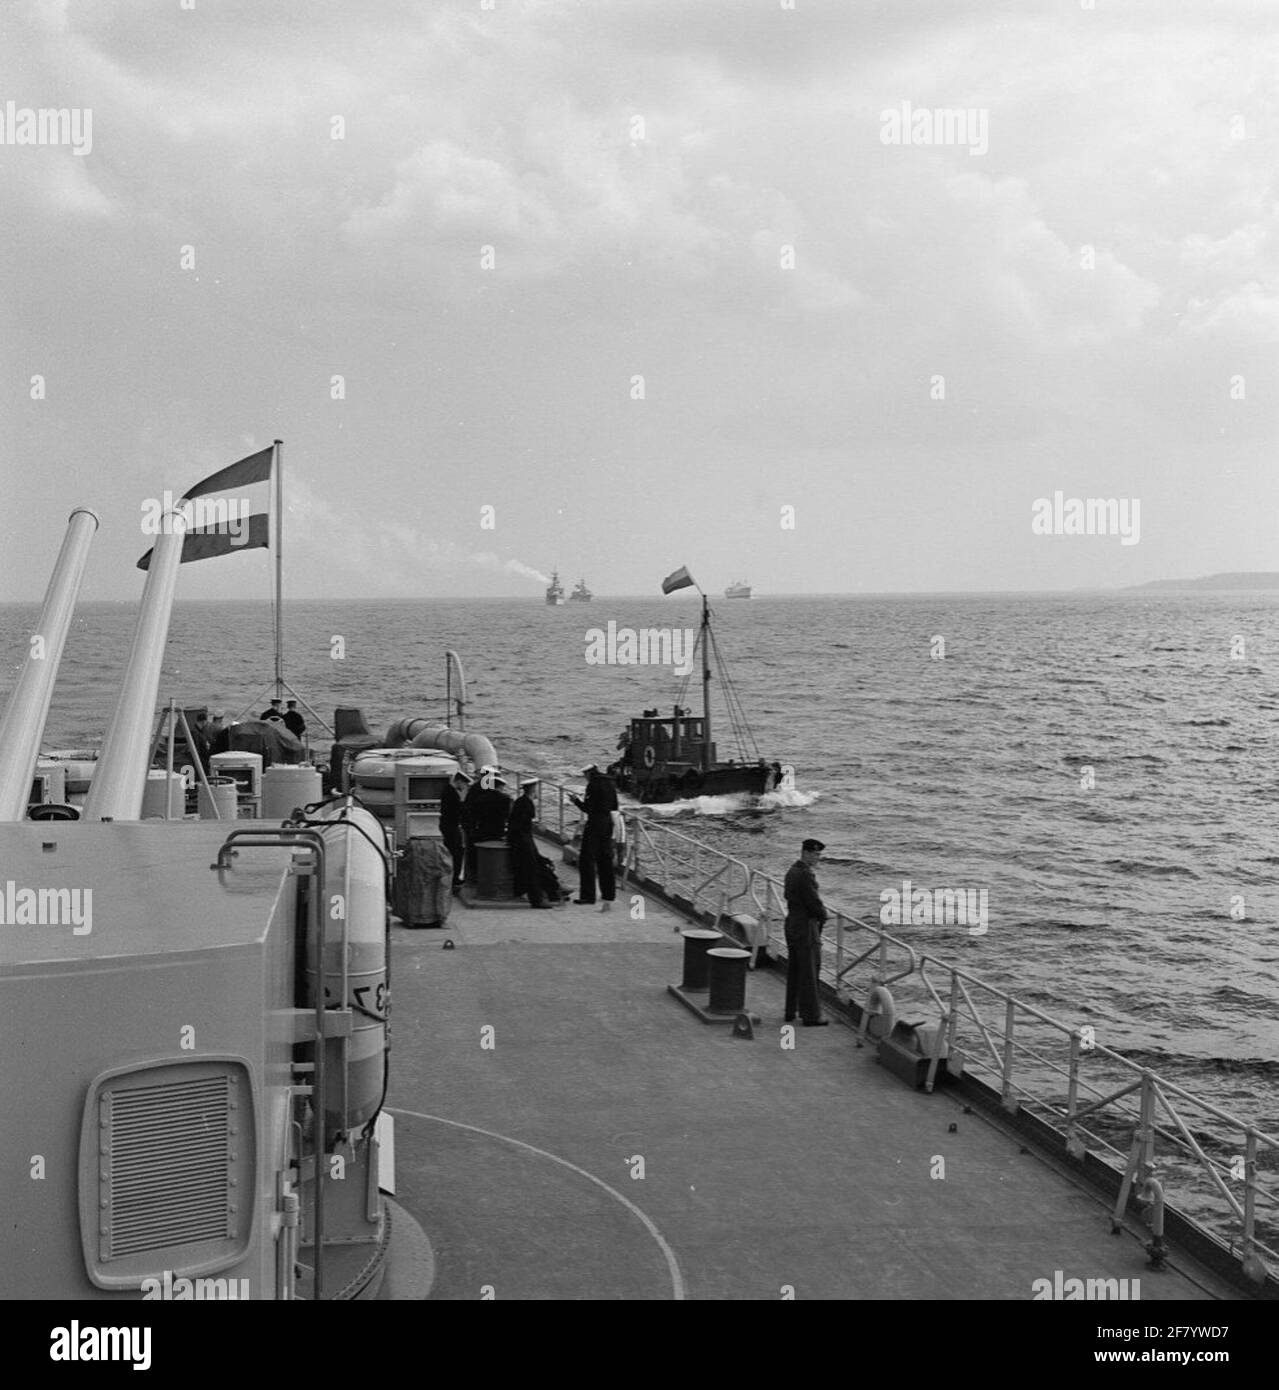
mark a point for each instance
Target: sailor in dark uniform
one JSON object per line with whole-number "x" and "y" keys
{"x": 519, "y": 835}
{"x": 599, "y": 802}
{"x": 805, "y": 916}
{"x": 451, "y": 818}
{"x": 486, "y": 811}
{"x": 293, "y": 721}
{"x": 200, "y": 739}
{"x": 273, "y": 712}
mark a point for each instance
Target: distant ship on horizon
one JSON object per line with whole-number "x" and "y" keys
{"x": 581, "y": 594}
{"x": 739, "y": 588}
{"x": 555, "y": 590}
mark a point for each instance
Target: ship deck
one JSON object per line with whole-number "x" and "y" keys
{"x": 609, "y": 1145}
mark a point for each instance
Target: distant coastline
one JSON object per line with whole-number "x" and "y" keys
{"x": 1247, "y": 579}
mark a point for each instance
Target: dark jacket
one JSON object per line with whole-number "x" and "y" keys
{"x": 294, "y": 722}
{"x": 803, "y": 902}
{"x": 450, "y": 810}
{"x": 600, "y": 799}
{"x": 200, "y": 744}
{"x": 519, "y": 829}
{"x": 488, "y": 812}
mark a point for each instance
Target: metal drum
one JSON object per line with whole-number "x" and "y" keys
{"x": 285, "y": 787}
{"x": 223, "y": 799}
{"x": 495, "y": 870}
{"x": 153, "y": 795}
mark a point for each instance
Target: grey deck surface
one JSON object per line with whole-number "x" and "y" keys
{"x": 764, "y": 1169}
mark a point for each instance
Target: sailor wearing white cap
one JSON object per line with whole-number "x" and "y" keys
{"x": 519, "y": 835}
{"x": 485, "y": 813}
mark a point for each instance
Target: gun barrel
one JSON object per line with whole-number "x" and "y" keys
{"x": 121, "y": 777}
{"x": 22, "y": 728}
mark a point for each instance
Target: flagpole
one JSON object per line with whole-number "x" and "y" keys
{"x": 279, "y": 568}
{"x": 706, "y": 681}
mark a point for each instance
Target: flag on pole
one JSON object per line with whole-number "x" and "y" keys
{"x": 222, "y": 515}
{"x": 681, "y": 579}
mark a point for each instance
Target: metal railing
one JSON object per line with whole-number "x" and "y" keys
{"x": 1219, "y": 1170}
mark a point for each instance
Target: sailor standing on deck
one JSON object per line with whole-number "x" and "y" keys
{"x": 599, "y": 802}
{"x": 451, "y": 822}
{"x": 293, "y": 721}
{"x": 200, "y": 739}
{"x": 487, "y": 810}
{"x": 805, "y": 916}
{"x": 519, "y": 835}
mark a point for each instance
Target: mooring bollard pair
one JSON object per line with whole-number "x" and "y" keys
{"x": 715, "y": 968}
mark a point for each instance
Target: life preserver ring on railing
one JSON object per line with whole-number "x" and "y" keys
{"x": 650, "y": 757}
{"x": 882, "y": 1011}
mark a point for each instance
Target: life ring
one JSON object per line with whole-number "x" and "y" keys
{"x": 650, "y": 755}
{"x": 375, "y": 767}
{"x": 880, "y": 1006}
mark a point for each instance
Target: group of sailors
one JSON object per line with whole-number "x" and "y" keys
{"x": 473, "y": 811}
{"x": 210, "y": 733}
{"x": 208, "y": 736}
{"x": 289, "y": 717}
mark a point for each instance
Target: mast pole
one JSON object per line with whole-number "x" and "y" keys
{"x": 279, "y": 568}
{"x": 706, "y": 685}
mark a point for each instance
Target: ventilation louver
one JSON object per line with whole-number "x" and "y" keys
{"x": 166, "y": 1168}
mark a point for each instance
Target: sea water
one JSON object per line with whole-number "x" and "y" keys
{"x": 1101, "y": 766}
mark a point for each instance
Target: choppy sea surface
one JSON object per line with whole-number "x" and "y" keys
{"x": 1104, "y": 766}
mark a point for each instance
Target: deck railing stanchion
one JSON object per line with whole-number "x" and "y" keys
{"x": 1006, "y": 1077}
{"x": 1073, "y": 1144}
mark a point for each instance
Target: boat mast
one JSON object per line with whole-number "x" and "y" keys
{"x": 279, "y": 568}
{"x": 706, "y": 685}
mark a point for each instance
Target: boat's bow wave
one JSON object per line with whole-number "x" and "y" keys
{"x": 786, "y": 796}
{"x": 731, "y": 804}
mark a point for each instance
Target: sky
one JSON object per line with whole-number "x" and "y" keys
{"x": 623, "y": 285}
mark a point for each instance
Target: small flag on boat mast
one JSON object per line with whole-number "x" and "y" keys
{"x": 224, "y": 520}
{"x": 681, "y": 579}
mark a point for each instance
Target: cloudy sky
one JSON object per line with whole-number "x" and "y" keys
{"x": 908, "y": 344}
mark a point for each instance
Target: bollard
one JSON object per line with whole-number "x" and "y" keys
{"x": 728, "y": 980}
{"x": 696, "y": 966}
{"x": 495, "y": 874}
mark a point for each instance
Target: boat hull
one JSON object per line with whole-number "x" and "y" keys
{"x": 661, "y": 786}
